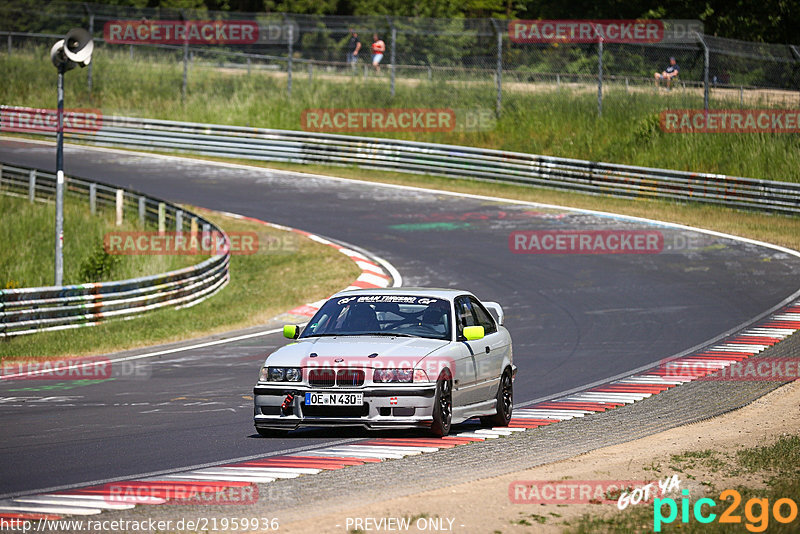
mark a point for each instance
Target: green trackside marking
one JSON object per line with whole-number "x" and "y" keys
{"x": 435, "y": 226}
{"x": 61, "y": 386}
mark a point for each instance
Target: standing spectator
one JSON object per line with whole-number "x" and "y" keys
{"x": 378, "y": 48}
{"x": 353, "y": 48}
{"x": 668, "y": 73}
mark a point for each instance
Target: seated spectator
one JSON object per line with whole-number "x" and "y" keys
{"x": 668, "y": 74}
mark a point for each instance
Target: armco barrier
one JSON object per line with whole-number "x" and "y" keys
{"x": 442, "y": 160}
{"x": 37, "y": 309}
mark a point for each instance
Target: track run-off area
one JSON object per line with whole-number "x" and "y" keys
{"x": 576, "y": 319}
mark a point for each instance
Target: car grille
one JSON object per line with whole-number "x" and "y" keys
{"x": 328, "y": 378}
{"x": 350, "y": 377}
{"x": 323, "y": 378}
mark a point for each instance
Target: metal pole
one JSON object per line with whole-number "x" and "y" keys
{"x": 59, "y": 244}
{"x": 599, "y": 76}
{"x": 9, "y": 43}
{"x": 185, "y": 69}
{"x": 89, "y": 80}
{"x": 706, "y": 60}
{"x": 499, "y": 75}
{"x": 185, "y": 56}
{"x": 392, "y": 56}
{"x": 289, "y": 61}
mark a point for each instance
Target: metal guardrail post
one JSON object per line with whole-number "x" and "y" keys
{"x": 179, "y": 221}
{"x": 142, "y": 210}
{"x": 162, "y": 217}
{"x": 32, "y": 186}
{"x": 706, "y": 67}
{"x": 93, "y": 198}
{"x": 120, "y": 204}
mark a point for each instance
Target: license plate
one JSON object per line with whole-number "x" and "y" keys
{"x": 334, "y": 399}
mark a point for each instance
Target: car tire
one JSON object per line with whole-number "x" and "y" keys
{"x": 504, "y": 402}
{"x": 443, "y": 406}
{"x": 271, "y": 432}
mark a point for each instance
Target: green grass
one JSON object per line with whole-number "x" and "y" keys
{"x": 535, "y": 119}
{"x": 29, "y": 229}
{"x": 262, "y": 285}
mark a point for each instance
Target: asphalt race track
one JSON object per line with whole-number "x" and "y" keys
{"x": 575, "y": 318}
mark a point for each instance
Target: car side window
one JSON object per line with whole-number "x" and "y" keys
{"x": 464, "y": 316}
{"x": 483, "y": 317}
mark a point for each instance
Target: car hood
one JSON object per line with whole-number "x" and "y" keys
{"x": 391, "y": 351}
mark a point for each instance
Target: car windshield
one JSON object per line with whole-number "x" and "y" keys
{"x": 382, "y": 315}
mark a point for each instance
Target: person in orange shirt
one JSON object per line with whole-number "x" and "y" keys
{"x": 378, "y": 48}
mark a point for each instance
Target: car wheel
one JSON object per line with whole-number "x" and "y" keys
{"x": 505, "y": 402}
{"x": 442, "y": 407}
{"x": 271, "y": 432}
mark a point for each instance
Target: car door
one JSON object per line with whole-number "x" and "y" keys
{"x": 489, "y": 352}
{"x": 465, "y": 317}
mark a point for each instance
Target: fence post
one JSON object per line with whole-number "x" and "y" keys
{"x": 93, "y": 198}
{"x": 179, "y": 221}
{"x": 162, "y": 218}
{"x": 91, "y": 32}
{"x": 130, "y": 51}
{"x": 248, "y": 66}
{"x": 310, "y": 72}
{"x": 142, "y": 210}
{"x": 32, "y": 185}
{"x": 430, "y": 72}
{"x": 9, "y": 43}
{"x": 706, "y": 59}
{"x": 185, "y": 56}
{"x": 392, "y": 56}
{"x": 499, "y": 69}
{"x": 599, "y": 76}
{"x": 289, "y": 61}
{"x": 120, "y": 205}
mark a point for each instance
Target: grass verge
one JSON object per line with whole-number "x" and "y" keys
{"x": 262, "y": 285}
{"x": 29, "y": 228}
{"x": 534, "y": 119}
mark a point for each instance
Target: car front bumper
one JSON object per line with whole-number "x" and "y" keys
{"x": 389, "y": 406}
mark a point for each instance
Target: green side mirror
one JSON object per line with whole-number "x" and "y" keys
{"x": 473, "y": 333}
{"x": 291, "y": 331}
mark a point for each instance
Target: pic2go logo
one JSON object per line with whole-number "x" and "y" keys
{"x": 756, "y": 511}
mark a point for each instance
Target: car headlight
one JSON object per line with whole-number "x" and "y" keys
{"x": 393, "y": 375}
{"x": 280, "y": 374}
